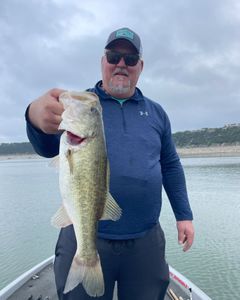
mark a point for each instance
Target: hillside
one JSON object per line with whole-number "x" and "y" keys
{"x": 228, "y": 135}
{"x": 16, "y": 148}
{"x": 224, "y": 136}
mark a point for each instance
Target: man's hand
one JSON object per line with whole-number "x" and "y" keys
{"x": 45, "y": 112}
{"x": 185, "y": 234}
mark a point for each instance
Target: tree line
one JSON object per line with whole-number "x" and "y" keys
{"x": 227, "y": 135}
{"x": 16, "y": 148}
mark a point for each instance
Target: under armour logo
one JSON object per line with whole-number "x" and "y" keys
{"x": 143, "y": 113}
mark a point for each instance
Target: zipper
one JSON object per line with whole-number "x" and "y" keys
{"x": 123, "y": 119}
{"x": 121, "y": 103}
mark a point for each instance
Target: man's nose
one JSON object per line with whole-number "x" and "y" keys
{"x": 121, "y": 63}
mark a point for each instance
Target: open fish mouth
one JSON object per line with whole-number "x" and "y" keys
{"x": 74, "y": 139}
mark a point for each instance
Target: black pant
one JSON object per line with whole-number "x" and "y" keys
{"x": 138, "y": 266}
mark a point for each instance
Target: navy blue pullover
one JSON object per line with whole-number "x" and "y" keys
{"x": 142, "y": 157}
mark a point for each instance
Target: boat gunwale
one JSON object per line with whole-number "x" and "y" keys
{"x": 195, "y": 292}
{"x": 13, "y": 286}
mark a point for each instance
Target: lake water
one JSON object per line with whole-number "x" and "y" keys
{"x": 29, "y": 196}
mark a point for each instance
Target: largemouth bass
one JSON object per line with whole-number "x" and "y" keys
{"x": 84, "y": 186}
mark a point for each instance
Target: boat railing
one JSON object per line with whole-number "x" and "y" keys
{"x": 17, "y": 283}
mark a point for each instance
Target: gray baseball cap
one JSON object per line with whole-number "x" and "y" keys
{"x": 125, "y": 34}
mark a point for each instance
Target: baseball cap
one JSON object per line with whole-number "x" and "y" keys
{"x": 125, "y": 34}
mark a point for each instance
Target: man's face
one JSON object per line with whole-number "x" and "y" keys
{"x": 119, "y": 80}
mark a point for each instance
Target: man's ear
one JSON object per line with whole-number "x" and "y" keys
{"x": 142, "y": 64}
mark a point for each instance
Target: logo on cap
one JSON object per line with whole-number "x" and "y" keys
{"x": 125, "y": 33}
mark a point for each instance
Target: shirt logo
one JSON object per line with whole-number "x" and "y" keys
{"x": 143, "y": 113}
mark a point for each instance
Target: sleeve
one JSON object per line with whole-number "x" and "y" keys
{"x": 46, "y": 145}
{"x": 173, "y": 176}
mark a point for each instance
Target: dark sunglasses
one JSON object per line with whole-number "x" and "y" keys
{"x": 114, "y": 57}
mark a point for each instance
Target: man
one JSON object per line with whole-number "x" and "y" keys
{"x": 142, "y": 157}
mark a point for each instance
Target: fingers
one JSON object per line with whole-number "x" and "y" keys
{"x": 181, "y": 237}
{"x": 55, "y": 93}
{"x": 187, "y": 244}
{"x": 50, "y": 123}
{"x": 185, "y": 234}
{"x": 54, "y": 105}
{"x": 45, "y": 112}
{"x": 50, "y": 118}
{"x": 56, "y": 118}
{"x": 57, "y": 109}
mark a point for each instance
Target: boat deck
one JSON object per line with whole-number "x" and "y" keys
{"x": 41, "y": 286}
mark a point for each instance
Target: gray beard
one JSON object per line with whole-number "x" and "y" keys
{"x": 119, "y": 88}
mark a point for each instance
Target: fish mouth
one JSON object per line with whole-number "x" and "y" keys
{"x": 74, "y": 139}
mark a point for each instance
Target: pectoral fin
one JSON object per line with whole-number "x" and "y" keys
{"x": 61, "y": 218}
{"x": 70, "y": 160}
{"x": 111, "y": 210}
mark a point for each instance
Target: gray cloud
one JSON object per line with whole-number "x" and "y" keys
{"x": 191, "y": 55}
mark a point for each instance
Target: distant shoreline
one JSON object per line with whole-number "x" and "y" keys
{"x": 209, "y": 151}
{"x": 19, "y": 156}
{"x": 183, "y": 152}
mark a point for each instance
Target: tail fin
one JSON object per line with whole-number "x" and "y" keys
{"x": 91, "y": 277}
{"x": 93, "y": 281}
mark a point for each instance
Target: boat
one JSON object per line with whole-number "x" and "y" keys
{"x": 38, "y": 284}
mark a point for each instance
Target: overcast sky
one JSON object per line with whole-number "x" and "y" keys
{"x": 191, "y": 51}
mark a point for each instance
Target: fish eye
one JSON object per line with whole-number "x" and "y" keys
{"x": 93, "y": 109}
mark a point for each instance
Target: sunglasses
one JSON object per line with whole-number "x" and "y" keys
{"x": 114, "y": 57}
